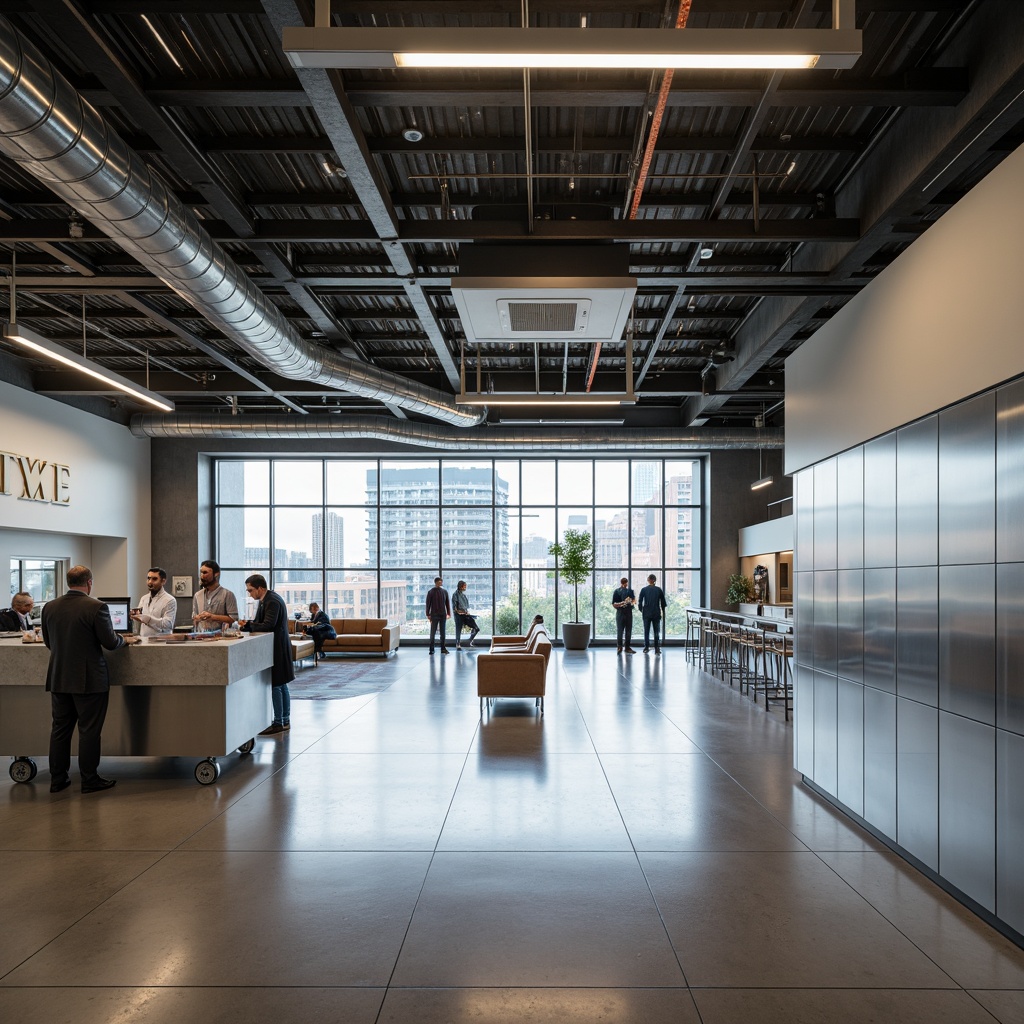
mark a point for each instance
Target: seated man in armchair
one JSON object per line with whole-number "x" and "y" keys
{"x": 319, "y": 627}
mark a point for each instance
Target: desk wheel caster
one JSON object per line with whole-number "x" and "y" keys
{"x": 207, "y": 772}
{"x": 246, "y": 747}
{"x": 23, "y": 769}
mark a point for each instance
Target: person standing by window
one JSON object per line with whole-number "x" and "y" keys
{"x": 272, "y": 617}
{"x": 623, "y": 600}
{"x": 652, "y": 607}
{"x": 463, "y": 618}
{"x": 439, "y": 611}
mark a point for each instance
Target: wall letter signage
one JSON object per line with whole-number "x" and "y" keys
{"x": 35, "y": 479}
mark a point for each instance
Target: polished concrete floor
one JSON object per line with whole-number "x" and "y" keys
{"x": 643, "y": 853}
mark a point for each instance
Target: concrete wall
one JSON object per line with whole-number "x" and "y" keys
{"x": 106, "y": 521}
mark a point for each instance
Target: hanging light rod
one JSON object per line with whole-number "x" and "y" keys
{"x": 325, "y": 46}
{"x": 51, "y": 350}
{"x": 765, "y": 481}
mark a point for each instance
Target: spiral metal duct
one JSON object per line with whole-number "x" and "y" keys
{"x": 436, "y": 435}
{"x": 56, "y": 135}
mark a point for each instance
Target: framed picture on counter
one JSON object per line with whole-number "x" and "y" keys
{"x": 181, "y": 586}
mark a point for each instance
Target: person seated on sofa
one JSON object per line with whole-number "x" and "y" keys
{"x": 319, "y": 627}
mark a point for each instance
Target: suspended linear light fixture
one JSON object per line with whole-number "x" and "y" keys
{"x": 51, "y": 350}
{"x": 326, "y": 46}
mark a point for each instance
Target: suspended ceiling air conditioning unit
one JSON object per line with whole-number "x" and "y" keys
{"x": 543, "y": 293}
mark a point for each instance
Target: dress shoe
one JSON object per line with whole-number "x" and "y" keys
{"x": 646, "y": 650}
{"x": 98, "y": 785}
{"x": 618, "y": 650}
{"x": 444, "y": 650}
{"x": 431, "y": 651}
{"x": 59, "y": 782}
{"x": 657, "y": 651}
{"x": 629, "y": 650}
{"x": 273, "y": 730}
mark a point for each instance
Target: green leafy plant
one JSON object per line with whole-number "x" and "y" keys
{"x": 574, "y": 560}
{"x": 741, "y": 590}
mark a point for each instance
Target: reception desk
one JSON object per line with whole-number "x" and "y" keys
{"x": 191, "y": 699}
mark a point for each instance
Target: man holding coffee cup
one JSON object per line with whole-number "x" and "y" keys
{"x": 157, "y": 609}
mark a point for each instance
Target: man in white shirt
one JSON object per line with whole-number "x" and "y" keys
{"x": 157, "y": 609}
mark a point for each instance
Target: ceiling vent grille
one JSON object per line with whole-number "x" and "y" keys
{"x": 497, "y": 301}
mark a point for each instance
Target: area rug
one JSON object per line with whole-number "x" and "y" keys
{"x": 336, "y": 680}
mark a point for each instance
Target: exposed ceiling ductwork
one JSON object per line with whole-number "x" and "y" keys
{"x": 434, "y": 435}
{"x": 56, "y": 135}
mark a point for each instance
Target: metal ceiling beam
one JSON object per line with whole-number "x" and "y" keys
{"x": 619, "y": 144}
{"x": 157, "y": 316}
{"x": 942, "y": 87}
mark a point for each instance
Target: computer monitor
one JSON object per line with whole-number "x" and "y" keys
{"x": 120, "y": 610}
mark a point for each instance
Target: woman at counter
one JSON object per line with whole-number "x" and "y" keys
{"x": 272, "y": 617}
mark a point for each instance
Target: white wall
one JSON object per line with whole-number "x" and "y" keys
{"x": 106, "y": 524}
{"x": 942, "y": 322}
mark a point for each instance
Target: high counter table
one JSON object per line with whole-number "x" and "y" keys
{"x": 186, "y": 699}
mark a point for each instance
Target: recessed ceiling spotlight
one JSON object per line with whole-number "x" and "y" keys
{"x": 412, "y": 135}
{"x": 706, "y": 252}
{"x": 785, "y": 137}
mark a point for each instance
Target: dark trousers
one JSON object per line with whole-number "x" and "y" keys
{"x": 623, "y": 626}
{"x": 435, "y": 625}
{"x": 465, "y": 622}
{"x": 656, "y": 623}
{"x": 88, "y": 711}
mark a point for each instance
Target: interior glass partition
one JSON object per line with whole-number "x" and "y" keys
{"x": 366, "y": 537}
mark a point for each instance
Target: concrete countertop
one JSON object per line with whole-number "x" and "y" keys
{"x": 205, "y": 663}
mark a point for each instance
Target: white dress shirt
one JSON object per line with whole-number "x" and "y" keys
{"x": 158, "y": 613}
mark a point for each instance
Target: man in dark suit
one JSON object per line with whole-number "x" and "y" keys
{"x": 652, "y": 607}
{"x": 272, "y": 617}
{"x": 76, "y": 629}
{"x": 17, "y": 616}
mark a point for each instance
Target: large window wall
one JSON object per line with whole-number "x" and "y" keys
{"x": 366, "y": 537}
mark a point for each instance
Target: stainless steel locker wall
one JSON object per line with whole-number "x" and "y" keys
{"x": 910, "y": 638}
{"x": 880, "y": 760}
{"x": 850, "y": 745}
{"x": 850, "y": 623}
{"x": 917, "y": 493}
{"x": 1010, "y": 647}
{"x": 850, "y": 509}
{"x": 825, "y": 515}
{"x": 917, "y": 780}
{"x": 1009, "y": 477}
{"x": 967, "y": 641}
{"x": 880, "y": 501}
{"x": 917, "y": 634}
{"x": 1010, "y": 828}
{"x": 967, "y": 482}
{"x": 967, "y": 807}
{"x": 880, "y": 629}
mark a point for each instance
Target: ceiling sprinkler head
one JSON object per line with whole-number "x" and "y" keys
{"x": 412, "y": 135}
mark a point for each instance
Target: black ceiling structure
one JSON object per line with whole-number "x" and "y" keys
{"x": 349, "y": 199}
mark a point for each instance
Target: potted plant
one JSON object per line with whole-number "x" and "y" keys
{"x": 574, "y": 562}
{"x": 741, "y": 590}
